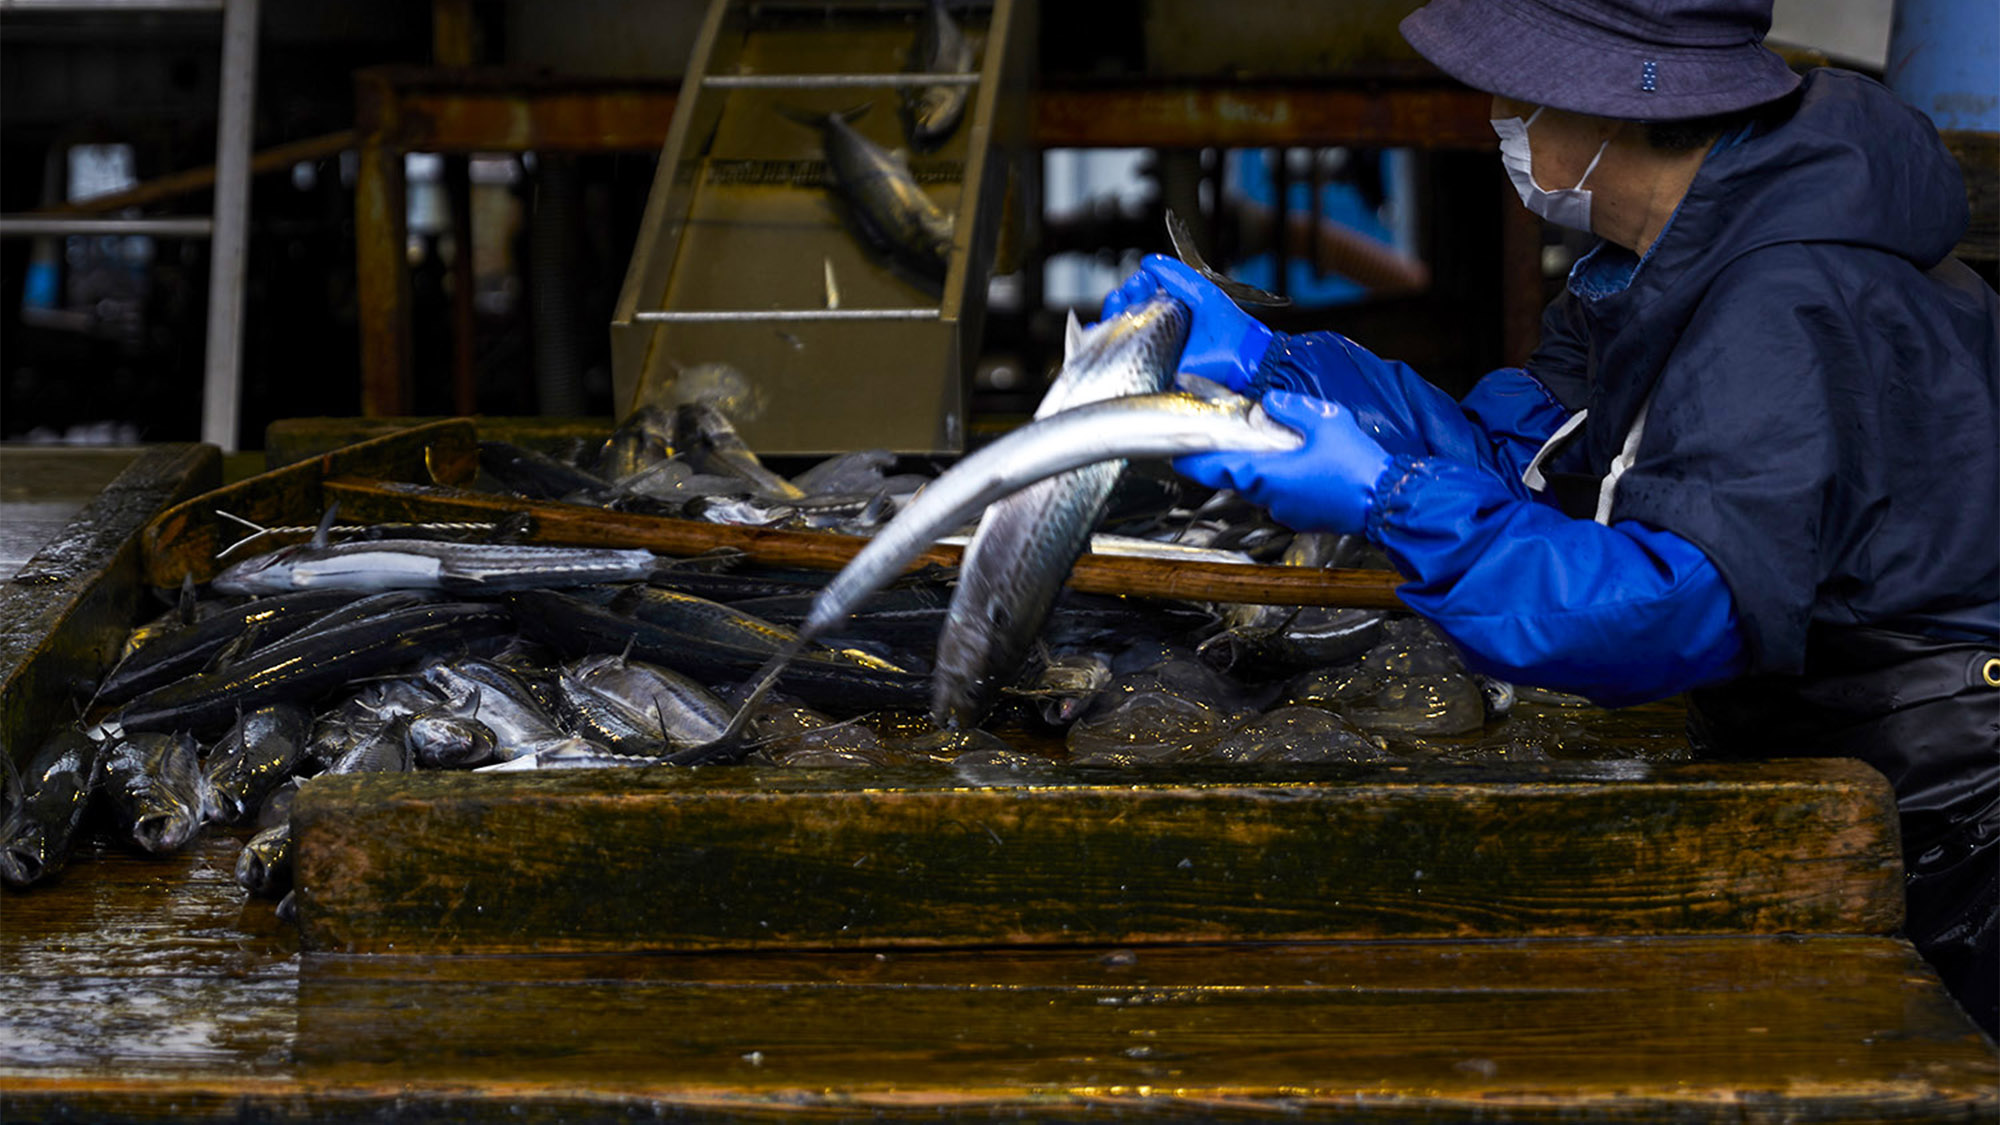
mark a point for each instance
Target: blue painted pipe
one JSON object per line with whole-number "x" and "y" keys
{"x": 1944, "y": 58}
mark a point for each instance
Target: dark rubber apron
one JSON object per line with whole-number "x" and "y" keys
{"x": 1925, "y": 711}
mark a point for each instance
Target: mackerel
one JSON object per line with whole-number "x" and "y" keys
{"x": 883, "y": 200}
{"x": 1155, "y": 425}
{"x": 931, "y": 113}
{"x": 188, "y": 650}
{"x": 1027, "y": 543}
{"x": 255, "y": 757}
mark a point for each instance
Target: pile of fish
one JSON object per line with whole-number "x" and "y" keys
{"x": 388, "y": 653}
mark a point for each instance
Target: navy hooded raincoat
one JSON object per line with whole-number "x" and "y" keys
{"x": 1784, "y": 495}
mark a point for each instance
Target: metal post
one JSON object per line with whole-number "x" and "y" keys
{"x": 222, "y": 384}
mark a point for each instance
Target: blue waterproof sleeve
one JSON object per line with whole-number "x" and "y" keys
{"x": 1621, "y": 614}
{"x": 1498, "y": 427}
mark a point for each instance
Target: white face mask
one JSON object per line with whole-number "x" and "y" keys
{"x": 1569, "y": 207}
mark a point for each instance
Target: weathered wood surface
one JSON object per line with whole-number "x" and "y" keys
{"x": 291, "y": 440}
{"x": 65, "y": 613}
{"x": 583, "y": 525}
{"x": 185, "y": 540}
{"x": 670, "y": 859}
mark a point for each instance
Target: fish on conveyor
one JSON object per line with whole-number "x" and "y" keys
{"x": 48, "y": 802}
{"x": 188, "y": 650}
{"x": 882, "y": 198}
{"x": 1155, "y": 425}
{"x": 155, "y": 784}
{"x": 298, "y": 669}
{"x": 1027, "y": 542}
{"x": 366, "y": 566}
{"x": 253, "y": 758}
{"x": 932, "y": 113}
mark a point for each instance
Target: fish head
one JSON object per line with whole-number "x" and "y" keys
{"x": 165, "y": 829}
{"x": 23, "y": 860}
{"x": 269, "y": 573}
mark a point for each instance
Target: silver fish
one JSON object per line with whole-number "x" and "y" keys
{"x": 1027, "y": 542}
{"x": 1156, "y": 425}
{"x": 501, "y": 700}
{"x": 255, "y": 757}
{"x": 46, "y": 805}
{"x": 932, "y": 113}
{"x": 431, "y": 564}
{"x": 156, "y": 784}
{"x": 882, "y": 198}
{"x": 628, "y": 703}
{"x": 264, "y": 866}
{"x": 442, "y": 740}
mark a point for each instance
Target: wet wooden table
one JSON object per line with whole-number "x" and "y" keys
{"x": 1535, "y": 948}
{"x": 137, "y": 988}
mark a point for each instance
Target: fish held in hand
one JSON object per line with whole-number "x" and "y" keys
{"x": 1155, "y": 425}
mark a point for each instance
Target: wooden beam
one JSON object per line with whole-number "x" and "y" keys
{"x": 738, "y": 858}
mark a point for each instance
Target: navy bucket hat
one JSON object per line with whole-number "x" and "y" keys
{"x": 1639, "y": 60}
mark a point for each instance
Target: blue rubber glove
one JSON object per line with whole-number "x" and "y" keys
{"x": 1224, "y": 345}
{"x": 1328, "y": 484}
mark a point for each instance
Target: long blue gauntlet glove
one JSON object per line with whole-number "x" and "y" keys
{"x": 1328, "y": 484}
{"x": 1224, "y": 345}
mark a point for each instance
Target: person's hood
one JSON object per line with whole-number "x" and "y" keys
{"x": 1852, "y": 165}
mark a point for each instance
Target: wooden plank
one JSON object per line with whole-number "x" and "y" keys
{"x": 185, "y": 540}
{"x": 670, "y": 859}
{"x": 290, "y": 440}
{"x": 1841, "y": 1029}
{"x": 65, "y": 614}
{"x": 584, "y": 525}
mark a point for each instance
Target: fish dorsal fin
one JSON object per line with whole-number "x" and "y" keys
{"x": 1237, "y": 291}
{"x": 323, "y": 534}
{"x": 1072, "y": 336}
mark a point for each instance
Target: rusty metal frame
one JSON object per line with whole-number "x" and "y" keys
{"x": 463, "y": 110}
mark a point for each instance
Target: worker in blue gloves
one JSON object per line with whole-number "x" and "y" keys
{"x": 1756, "y": 455}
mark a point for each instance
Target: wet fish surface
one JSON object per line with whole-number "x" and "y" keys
{"x": 1028, "y": 541}
{"x": 254, "y": 757}
{"x": 883, "y": 200}
{"x": 154, "y": 783}
{"x": 42, "y": 816}
{"x": 932, "y": 113}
